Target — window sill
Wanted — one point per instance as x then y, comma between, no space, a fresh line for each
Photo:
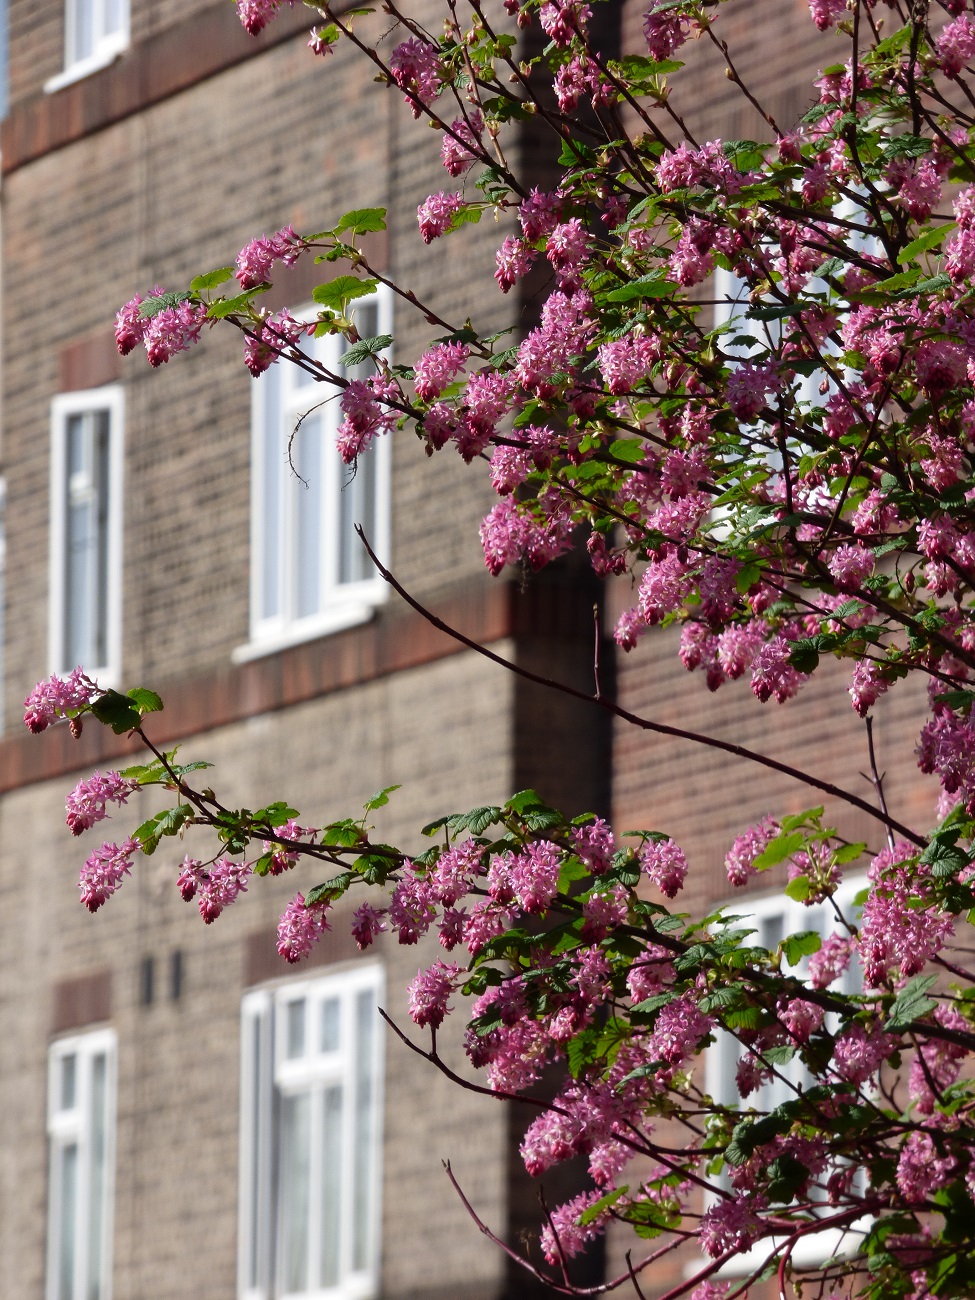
334,620
102,58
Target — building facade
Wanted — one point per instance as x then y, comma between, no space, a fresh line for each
181,1114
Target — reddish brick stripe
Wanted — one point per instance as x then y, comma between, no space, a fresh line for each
151,71
393,642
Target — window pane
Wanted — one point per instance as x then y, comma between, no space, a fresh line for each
293,1194
295,1037
364,1136
254,1148
100,475
113,16
67,1178
331,1184
97,1172
772,931
84,29
86,540
357,505
68,1084
330,1025
270,470
307,451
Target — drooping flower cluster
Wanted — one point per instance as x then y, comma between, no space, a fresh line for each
58,697
85,805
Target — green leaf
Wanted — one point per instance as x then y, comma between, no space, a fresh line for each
653,285
911,1003
362,221
167,822
777,850
932,238
330,890
380,798
345,834
241,304
595,1211
156,303
524,800
145,701
803,944
212,279
848,853
116,711
628,449
365,349
799,889
343,289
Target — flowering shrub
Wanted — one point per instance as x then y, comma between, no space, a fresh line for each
806,492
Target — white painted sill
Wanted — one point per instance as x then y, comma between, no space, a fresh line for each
327,624
104,57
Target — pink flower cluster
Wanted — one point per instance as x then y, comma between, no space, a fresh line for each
956,45
269,339
256,259
664,864
751,844
415,67
364,414
256,14
439,367
665,28
58,697
435,214
104,871
85,804
220,885
300,928
463,144
168,331
430,991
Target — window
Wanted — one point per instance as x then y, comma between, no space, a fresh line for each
773,918
311,1098
95,33
81,1133
86,532
310,573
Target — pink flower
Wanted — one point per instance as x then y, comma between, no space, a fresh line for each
255,260
567,245
921,1171
772,673
664,863
564,19
595,845
801,1018
625,363
86,803
826,12
859,1053
436,213
833,958
172,330
273,336
57,697
539,214
411,907
956,45
748,385
678,1032
740,861
300,928
367,923
514,259
439,367
665,32
564,1225
223,881
130,329
730,1225
190,878
850,567
459,150
256,14
867,684
104,871
416,69
429,993
364,417
503,535
534,875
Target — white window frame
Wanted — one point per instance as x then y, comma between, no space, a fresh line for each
107,45
267,1077
110,398
342,605
67,1126
722,1057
